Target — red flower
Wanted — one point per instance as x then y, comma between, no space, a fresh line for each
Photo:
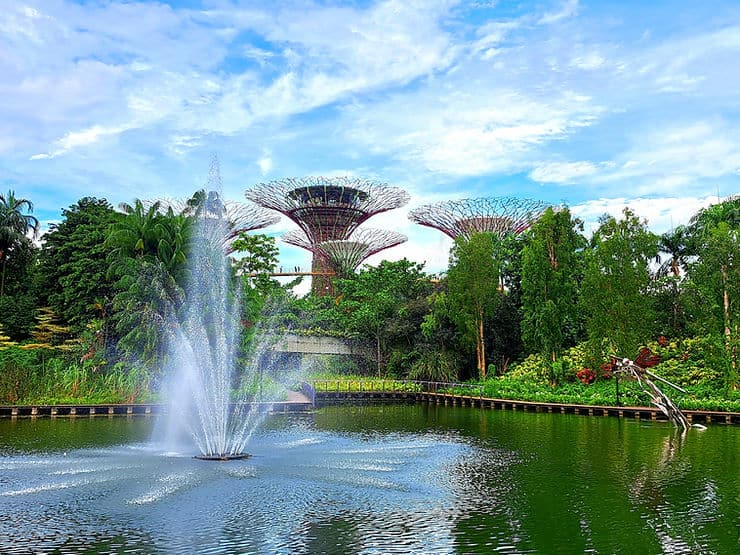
586,375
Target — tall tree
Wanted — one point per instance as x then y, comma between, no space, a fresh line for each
715,232
378,298
675,244
474,288
16,222
551,267
616,278
147,257
713,289
73,262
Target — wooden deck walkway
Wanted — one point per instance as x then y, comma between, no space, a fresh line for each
296,402
643,413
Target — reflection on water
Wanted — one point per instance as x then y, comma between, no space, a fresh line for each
383,479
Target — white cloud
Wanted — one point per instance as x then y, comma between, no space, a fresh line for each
569,8
74,139
562,172
464,133
662,214
265,162
668,159
590,61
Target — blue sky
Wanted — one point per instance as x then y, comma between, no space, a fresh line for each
595,104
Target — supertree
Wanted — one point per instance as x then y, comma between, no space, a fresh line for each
240,216
344,256
327,209
207,203
463,218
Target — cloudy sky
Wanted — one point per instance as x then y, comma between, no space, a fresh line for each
596,104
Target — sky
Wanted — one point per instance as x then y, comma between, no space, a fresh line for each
594,104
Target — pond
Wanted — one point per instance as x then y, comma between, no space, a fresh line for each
374,479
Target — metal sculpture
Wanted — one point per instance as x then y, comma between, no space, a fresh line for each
240,215
344,256
208,202
327,209
638,370
463,218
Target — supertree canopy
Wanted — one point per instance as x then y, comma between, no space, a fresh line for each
327,209
344,256
240,215
463,218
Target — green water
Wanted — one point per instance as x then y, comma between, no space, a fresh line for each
375,479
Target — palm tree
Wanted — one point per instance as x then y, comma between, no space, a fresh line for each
675,244
707,218
14,226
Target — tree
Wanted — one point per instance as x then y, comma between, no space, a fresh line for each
147,256
706,219
257,256
473,281
440,346
14,226
713,289
377,298
73,262
674,243
551,266
616,278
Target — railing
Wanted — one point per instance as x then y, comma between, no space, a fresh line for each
309,391
410,386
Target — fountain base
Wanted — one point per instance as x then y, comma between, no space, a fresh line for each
223,457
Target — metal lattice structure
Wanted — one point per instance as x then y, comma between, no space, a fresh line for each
327,209
344,256
240,215
208,204
463,218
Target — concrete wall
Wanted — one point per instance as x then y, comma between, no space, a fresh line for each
320,345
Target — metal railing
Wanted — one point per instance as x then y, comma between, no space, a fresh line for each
408,386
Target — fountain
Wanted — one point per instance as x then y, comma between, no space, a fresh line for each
203,347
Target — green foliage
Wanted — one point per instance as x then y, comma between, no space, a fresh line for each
437,366
473,288
73,263
15,224
713,292
46,376
551,266
147,256
381,303
18,315
615,282
256,254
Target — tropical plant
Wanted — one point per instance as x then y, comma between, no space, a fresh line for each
617,276
551,266
15,224
713,292
474,289
676,245
73,262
